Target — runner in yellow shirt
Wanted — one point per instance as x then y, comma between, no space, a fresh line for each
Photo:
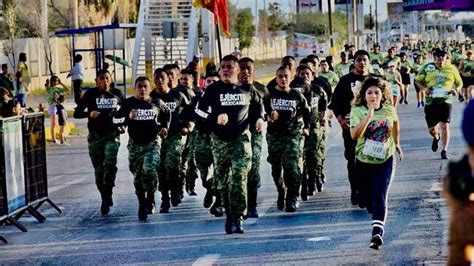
440,81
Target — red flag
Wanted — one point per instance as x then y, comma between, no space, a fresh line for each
219,8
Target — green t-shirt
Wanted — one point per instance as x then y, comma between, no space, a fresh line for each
457,56
440,80
54,93
468,68
391,77
332,77
377,144
405,67
395,60
342,69
416,67
376,56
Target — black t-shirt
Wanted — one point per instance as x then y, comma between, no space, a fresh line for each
176,102
188,92
315,97
241,103
341,101
323,83
291,106
150,118
105,102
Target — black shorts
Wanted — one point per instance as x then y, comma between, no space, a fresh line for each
405,78
417,89
467,81
437,112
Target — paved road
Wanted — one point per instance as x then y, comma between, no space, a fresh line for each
326,228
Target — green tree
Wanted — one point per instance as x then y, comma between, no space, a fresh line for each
316,24
245,28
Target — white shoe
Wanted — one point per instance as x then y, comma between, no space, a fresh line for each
56,142
65,144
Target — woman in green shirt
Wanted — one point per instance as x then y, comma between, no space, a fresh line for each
466,69
395,81
54,89
375,127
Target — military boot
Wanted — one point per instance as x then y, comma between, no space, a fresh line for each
208,198
150,198
252,205
216,208
176,196
228,222
238,227
142,206
106,196
281,198
304,191
165,202
291,202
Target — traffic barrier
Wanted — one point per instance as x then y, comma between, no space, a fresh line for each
23,181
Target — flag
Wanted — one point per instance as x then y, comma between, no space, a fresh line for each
219,8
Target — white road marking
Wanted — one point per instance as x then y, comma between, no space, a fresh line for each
210,259
435,187
318,239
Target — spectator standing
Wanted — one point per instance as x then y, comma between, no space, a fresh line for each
23,80
77,75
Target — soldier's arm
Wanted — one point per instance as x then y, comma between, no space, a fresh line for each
164,115
79,111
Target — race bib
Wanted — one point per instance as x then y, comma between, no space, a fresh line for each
375,149
438,92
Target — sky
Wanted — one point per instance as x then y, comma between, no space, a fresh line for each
291,5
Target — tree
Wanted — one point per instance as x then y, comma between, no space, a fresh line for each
10,29
245,28
316,24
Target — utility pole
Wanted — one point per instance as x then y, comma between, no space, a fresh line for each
297,6
330,24
354,23
256,18
376,23
75,13
349,37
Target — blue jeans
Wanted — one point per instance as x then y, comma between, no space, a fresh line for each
21,98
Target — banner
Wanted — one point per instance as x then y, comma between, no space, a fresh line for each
310,6
14,167
457,5
303,45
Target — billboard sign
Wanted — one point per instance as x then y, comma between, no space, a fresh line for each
394,11
456,5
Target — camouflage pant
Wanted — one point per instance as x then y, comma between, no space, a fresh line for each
321,149
253,181
312,154
203,157
103,149
188,169
171,150
191,170
143,163
285,154
232,163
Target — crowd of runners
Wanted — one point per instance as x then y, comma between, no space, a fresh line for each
179,132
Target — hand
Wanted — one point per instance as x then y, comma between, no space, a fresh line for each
454,92
191,126
94,114
371,112
163,133
305,132
222,119
342,122
323,122
184,131
399,151
133,114
259,125
429,91
273,116
121,129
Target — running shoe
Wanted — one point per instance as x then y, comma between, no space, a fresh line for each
376,242
401,100
444,155
418,105
434,144
65,144
460,97
423,103
405,101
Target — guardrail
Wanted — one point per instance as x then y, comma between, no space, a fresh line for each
23,179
